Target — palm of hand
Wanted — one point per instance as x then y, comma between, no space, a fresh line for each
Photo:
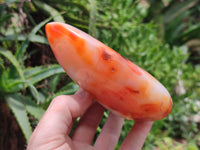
53,130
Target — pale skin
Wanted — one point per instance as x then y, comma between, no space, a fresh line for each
52,132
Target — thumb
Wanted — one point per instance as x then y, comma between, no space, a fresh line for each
57,119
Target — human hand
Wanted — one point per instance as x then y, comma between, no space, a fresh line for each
52,132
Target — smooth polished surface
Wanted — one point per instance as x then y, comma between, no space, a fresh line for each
115,82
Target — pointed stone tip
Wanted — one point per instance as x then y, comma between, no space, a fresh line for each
54,31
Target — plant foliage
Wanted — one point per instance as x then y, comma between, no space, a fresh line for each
162,43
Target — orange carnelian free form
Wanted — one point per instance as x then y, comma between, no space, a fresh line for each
115,82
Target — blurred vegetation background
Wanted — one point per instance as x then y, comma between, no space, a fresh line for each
161,36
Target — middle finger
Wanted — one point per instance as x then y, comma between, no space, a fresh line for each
88,124
110,133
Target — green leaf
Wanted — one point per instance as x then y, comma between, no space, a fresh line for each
50,10
18,84
20,52
68,89
13,60
53,82
174,28
33,91
3,16
63,92
92,20
13,85
3,82
34,109
191,33
10,1
34,75
1,64
16,103
175,11
69,86
39,26
22,37
38,39
4,19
